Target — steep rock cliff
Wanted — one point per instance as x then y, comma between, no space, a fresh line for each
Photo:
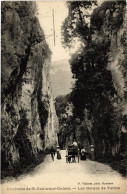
112,29
29,121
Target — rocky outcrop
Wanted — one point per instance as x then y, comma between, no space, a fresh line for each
29,121
112,29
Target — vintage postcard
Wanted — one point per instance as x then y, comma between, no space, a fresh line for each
63,97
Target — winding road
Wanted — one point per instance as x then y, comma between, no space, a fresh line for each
60,177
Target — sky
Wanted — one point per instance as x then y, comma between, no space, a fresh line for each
45,16
46,22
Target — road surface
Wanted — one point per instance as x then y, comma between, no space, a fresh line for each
60,177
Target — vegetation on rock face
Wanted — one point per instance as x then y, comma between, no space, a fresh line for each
25,104
76,24
64,109
19,34
96,90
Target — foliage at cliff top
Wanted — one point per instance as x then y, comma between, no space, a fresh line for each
76,25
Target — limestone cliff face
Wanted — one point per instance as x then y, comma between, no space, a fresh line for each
52,125
29,121
111,30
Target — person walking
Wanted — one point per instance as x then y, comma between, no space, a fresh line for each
83,153
52,153
58,153
92,152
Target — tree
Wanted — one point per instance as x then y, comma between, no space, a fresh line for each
76,25
94,88
64,112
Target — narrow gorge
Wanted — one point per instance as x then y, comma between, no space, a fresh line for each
29,121
91,107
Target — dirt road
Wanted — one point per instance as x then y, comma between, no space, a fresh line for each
60,177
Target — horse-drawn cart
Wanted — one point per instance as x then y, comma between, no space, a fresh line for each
71,154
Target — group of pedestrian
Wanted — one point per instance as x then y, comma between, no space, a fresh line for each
83,152
57,151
